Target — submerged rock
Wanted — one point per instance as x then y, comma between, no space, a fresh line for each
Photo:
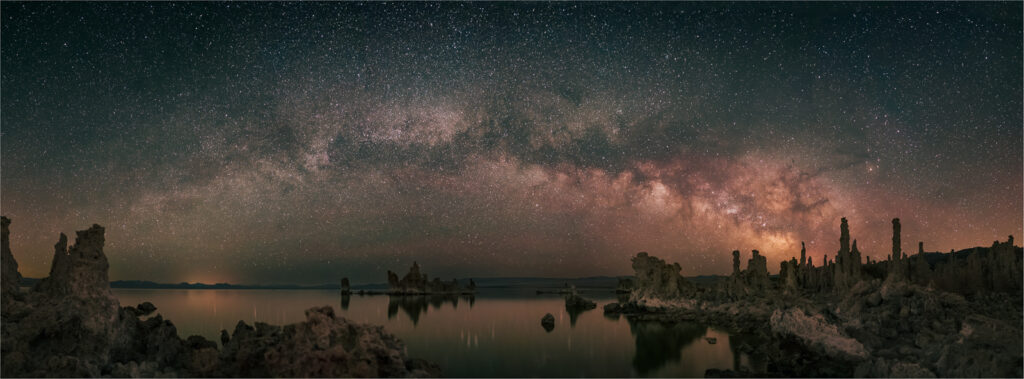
548,322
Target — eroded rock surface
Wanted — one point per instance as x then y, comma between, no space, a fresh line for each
321,346
658,283
10,279
816,332
417,283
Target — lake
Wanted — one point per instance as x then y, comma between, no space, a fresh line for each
497,333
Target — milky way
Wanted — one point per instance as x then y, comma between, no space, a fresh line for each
298,143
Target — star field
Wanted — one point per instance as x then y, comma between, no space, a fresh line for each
303,142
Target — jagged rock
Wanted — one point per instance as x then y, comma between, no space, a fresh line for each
146,308
321,346
80,271
10,278
788,271
736,263
847,271
815,331
756,274
981,350
415,283
577,302
658,282
548,322
69,324
896,246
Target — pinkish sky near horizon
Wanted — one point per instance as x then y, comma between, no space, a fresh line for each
303,142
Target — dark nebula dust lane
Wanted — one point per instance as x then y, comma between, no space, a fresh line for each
299,143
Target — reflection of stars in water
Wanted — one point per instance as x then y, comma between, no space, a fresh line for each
302,142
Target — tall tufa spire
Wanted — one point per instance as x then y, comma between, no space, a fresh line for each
896,250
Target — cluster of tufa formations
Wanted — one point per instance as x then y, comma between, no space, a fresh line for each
71,325
415,283
928,314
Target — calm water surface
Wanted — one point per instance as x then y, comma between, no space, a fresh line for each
496,333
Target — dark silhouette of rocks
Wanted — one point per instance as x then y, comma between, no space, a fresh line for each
322,346
924,315
71,325
575,305
756,275
346,289
657,281
416,283
10,279
897,252
565,290
575,301
625,285
548,322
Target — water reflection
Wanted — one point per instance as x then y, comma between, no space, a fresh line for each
574,314
345,299
658,343
497,337
417,305
743,347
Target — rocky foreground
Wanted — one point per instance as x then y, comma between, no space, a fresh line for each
926,315
71,325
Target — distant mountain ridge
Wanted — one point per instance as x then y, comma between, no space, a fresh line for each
591,282
511,282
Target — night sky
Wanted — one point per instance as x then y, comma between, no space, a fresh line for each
299,143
